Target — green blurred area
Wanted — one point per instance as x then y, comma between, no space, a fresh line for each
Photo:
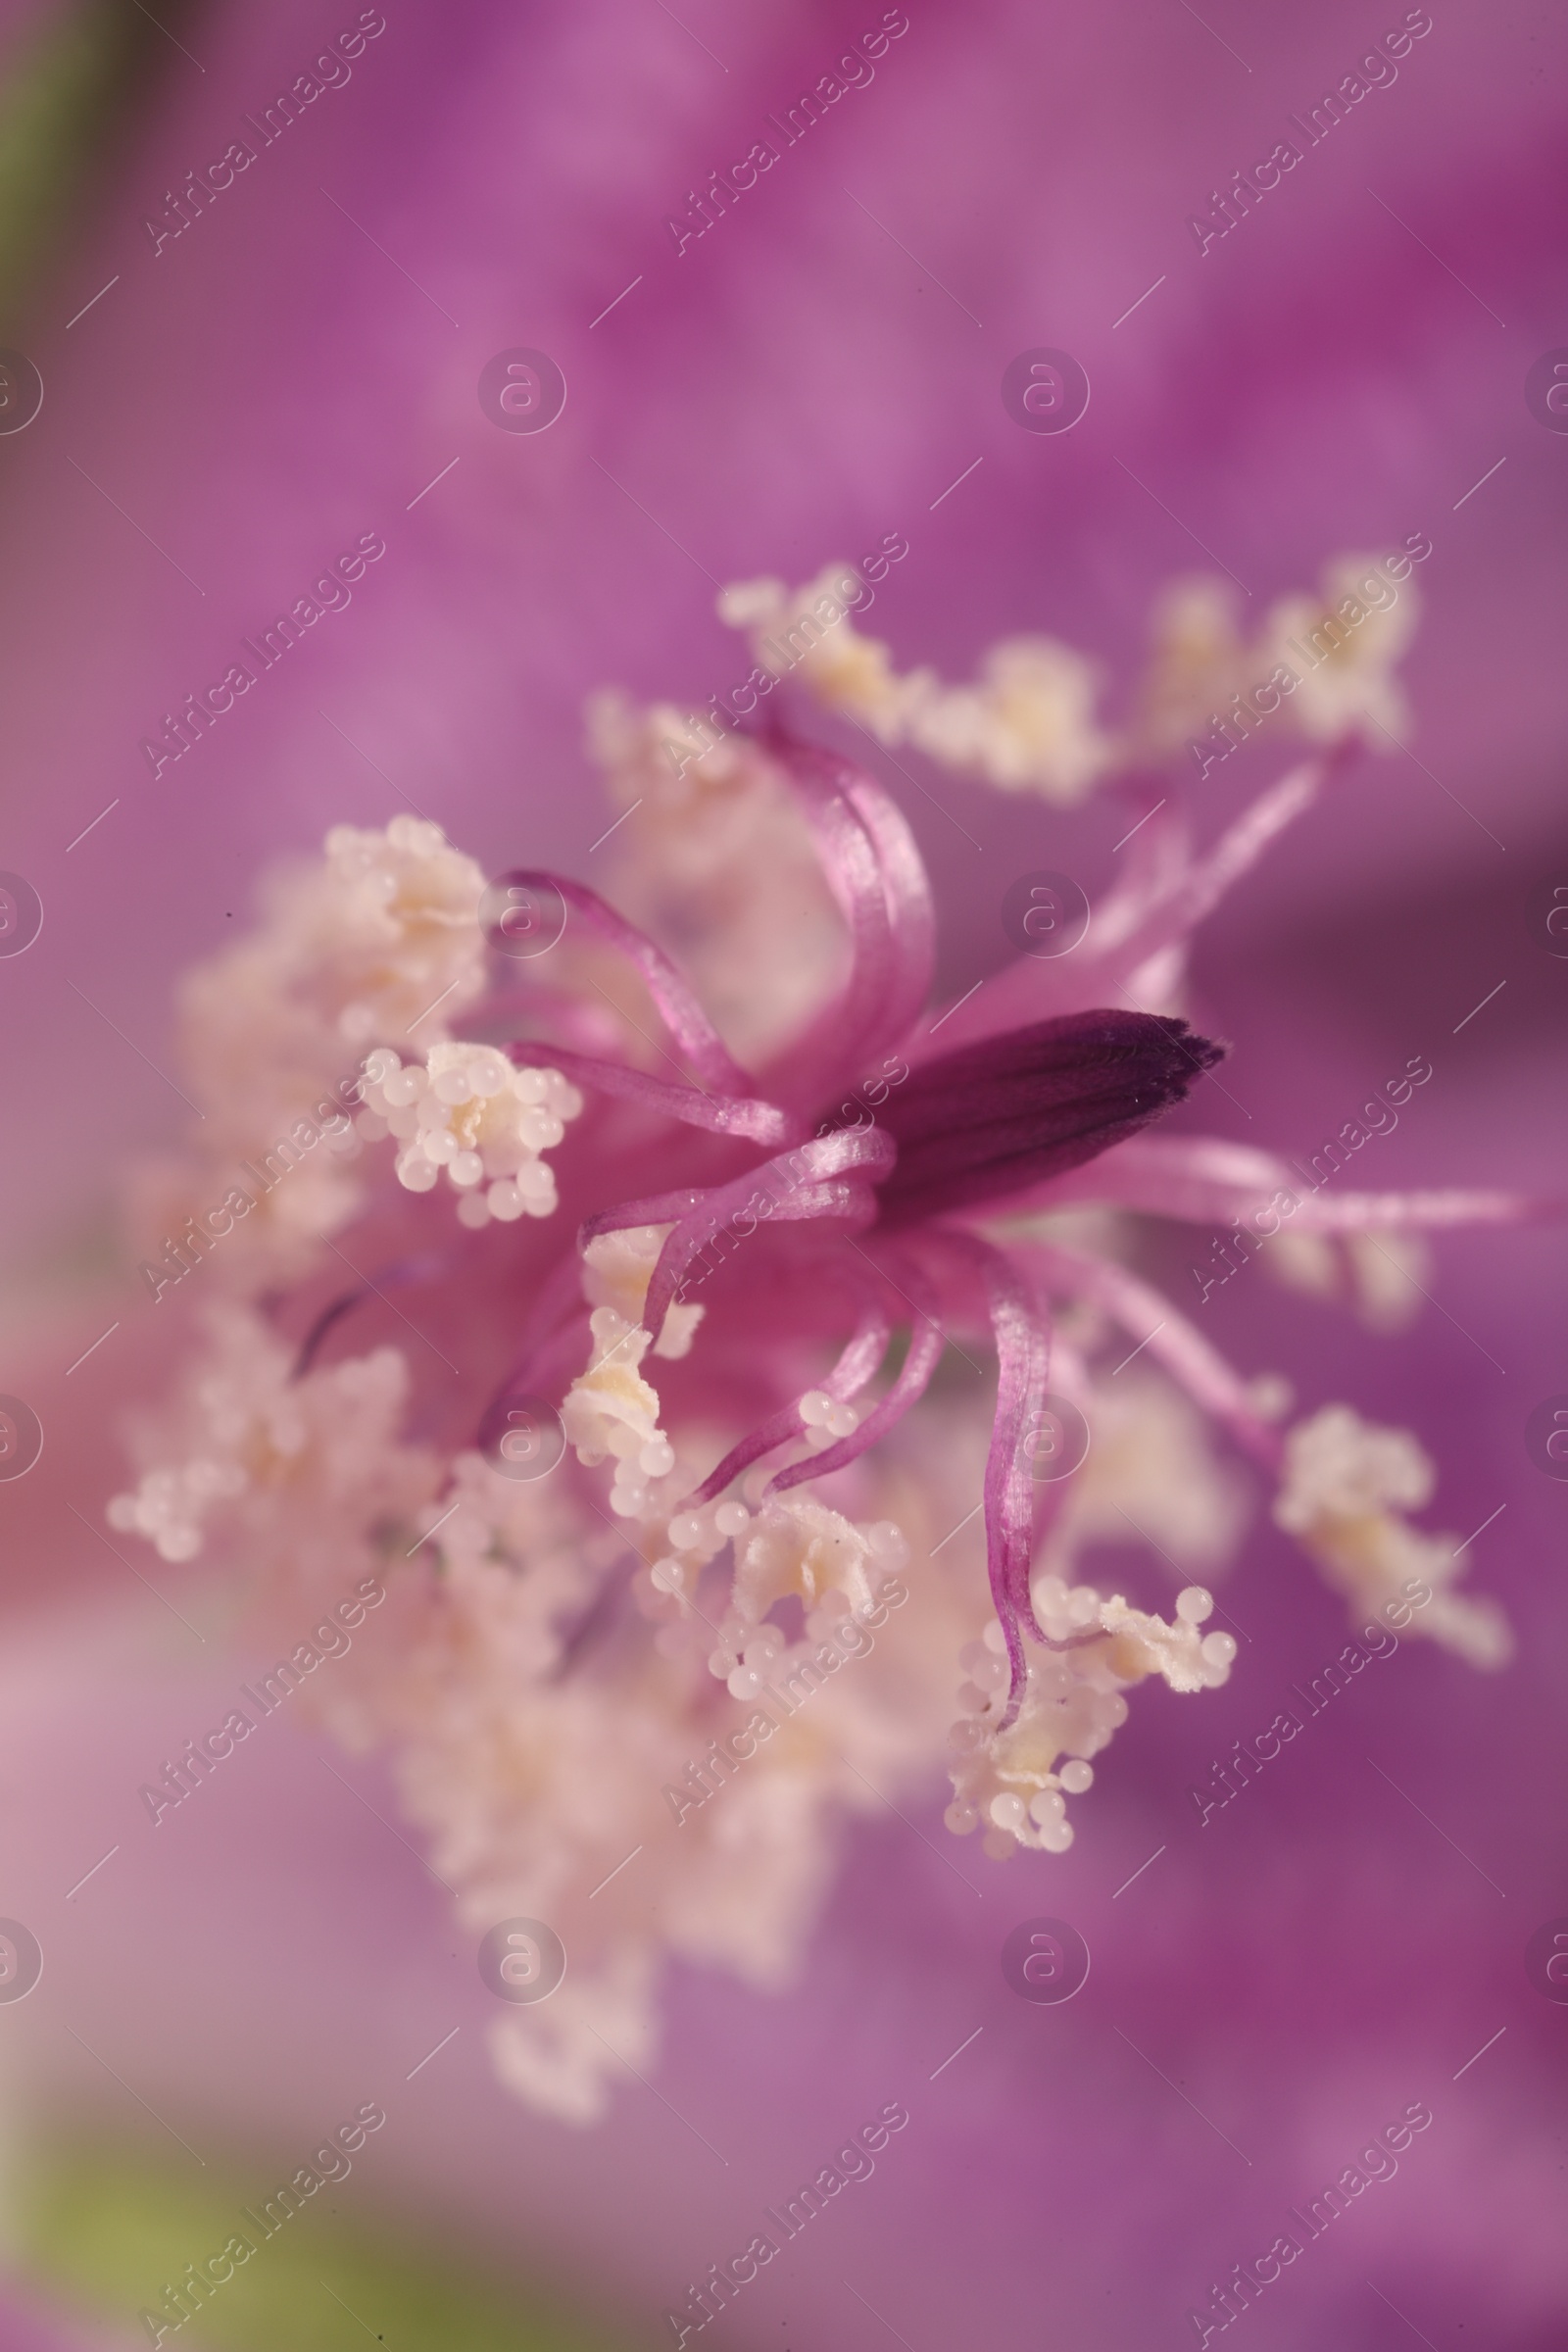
105,2229
69,87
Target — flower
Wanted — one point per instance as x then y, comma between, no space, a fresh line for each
1340,647
557,1647
1345,1488
1027,724
466,1109
1315,379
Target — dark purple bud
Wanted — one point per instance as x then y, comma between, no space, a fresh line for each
998,1116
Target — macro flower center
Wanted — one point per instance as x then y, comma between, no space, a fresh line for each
715,1463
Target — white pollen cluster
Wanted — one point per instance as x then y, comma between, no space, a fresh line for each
170,1508
792,1548
610,1410
466,1109
1010,1780
378,932
617,1269
1325,659
1338,1466
802,1548
827,1419
316,1458
1345,1487
1026,724
358,938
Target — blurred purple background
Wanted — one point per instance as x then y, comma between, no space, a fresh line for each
300,366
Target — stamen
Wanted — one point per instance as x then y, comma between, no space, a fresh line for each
856,1366
742,1116
874,871
688,1024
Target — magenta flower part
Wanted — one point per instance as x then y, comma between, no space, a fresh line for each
990,1118
728,1328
